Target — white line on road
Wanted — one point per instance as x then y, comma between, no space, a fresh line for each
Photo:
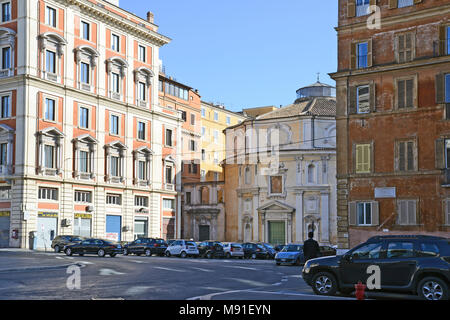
137,261
109,272
246,268
203,270
169,269
85,262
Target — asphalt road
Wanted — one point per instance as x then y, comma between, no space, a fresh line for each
148,278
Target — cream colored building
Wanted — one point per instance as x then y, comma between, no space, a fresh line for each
280,172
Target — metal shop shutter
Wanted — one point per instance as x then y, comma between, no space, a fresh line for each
4,230
113,227
82,227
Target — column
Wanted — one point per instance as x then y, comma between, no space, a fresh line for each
325,213
239,219
255,217
299,217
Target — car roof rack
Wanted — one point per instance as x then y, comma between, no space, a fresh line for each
412,236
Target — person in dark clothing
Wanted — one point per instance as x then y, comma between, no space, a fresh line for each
311,248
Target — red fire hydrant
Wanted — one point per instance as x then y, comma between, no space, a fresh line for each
360,291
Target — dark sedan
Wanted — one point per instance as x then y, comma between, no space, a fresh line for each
255,251
60,241
211,249
147,246
94,246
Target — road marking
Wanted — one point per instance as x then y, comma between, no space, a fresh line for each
137,290
85,262
246,268
200,269
137,261
60,258
169,269
109,272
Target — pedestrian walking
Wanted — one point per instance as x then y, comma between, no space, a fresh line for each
311,248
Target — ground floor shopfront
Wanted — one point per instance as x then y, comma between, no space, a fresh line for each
47,209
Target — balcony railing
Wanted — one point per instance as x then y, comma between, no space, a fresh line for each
169,187
5,73
446,181
441,48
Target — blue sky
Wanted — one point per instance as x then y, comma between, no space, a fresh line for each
245,53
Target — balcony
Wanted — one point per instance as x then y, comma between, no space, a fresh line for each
5,73
142,104
169,186
5,170
116,96
441,48
51,76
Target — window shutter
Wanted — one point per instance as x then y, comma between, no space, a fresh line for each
401,48
409,93
367,156
358,159
352,100
447,212
375,213
409,46
352,213
373,97
440,154
401,156
440,88
412,212
369,53
401,212
418,1
410,156
351,8
393,4
373,2
353,58
401,94
442,39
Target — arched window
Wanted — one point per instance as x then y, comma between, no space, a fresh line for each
247,175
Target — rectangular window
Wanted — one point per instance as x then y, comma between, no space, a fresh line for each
142,91
216,157
228,120
6,58
168,137
203,154
85,27
405,47
5,193
49,156
216,136
84,117
203,112
142,170
192,145
115,199
362,54
187,199
216,116
168,204
50,61
363,158
192,119
169,175
184,115
48,194
114,125
447,40
364,213
116,82
114,166
3,154
141,130
406,212
140,201
362,7
83,196
51,17
363,99
6,107
406,156
447,153
84,77
84,161
142,53
115,43
405,3
203,131
447,88
50,108
6,12
405,93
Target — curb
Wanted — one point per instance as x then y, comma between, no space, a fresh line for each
42,268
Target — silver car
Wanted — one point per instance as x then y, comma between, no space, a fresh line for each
232,250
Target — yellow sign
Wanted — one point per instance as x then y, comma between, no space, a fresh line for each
83,216
48,215
5,214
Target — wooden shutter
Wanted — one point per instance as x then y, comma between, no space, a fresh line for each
401,212
401,88
351,8
373,2
353,57
410,156
352,220
393,4
440,88
412,211
442,39
409,90
418,1
369,53
401,156
375,213
440,154
401,48
373,97
359,159
352,100
447,212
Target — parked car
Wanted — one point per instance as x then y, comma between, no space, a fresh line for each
182,248
270,249
415,264
60,241
279,247
233,250
291,254
327,251
147,246
211,249
170,241
255,251
99,247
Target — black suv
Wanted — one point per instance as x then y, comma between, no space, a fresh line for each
60,241
411,264
211,249
147,246
256,250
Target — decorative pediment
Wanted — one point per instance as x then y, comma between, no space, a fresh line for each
276,206
86,138
6,129
116,144
52,131
169,159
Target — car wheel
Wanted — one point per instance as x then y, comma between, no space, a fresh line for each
112,255
209,255
101,253
148,252
278,263
183,254
68,251
125,252
167,253
432,288
298,262
228,255
80,254
324,284
267,257
253,256
57,249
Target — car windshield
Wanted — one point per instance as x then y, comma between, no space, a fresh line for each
160,241
292,248
190,243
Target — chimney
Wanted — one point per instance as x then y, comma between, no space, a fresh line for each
150,17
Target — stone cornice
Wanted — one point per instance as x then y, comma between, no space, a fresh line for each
118,21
